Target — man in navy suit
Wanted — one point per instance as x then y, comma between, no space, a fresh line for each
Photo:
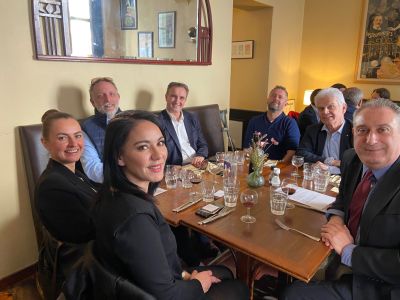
364,221
186,145
184,138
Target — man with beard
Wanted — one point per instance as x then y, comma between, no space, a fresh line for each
105,100
277,126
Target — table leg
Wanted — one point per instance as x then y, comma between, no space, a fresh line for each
245,271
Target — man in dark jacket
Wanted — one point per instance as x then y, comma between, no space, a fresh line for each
184,138
325,142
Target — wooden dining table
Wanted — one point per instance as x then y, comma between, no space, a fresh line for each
260,242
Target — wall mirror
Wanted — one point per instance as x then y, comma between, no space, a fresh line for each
127,31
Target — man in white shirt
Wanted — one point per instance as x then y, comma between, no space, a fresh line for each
184,138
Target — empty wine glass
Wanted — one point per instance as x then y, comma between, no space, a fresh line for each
289,187
297,161
249,199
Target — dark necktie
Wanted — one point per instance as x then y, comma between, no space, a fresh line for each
357,202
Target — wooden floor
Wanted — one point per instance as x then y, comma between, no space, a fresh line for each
24,290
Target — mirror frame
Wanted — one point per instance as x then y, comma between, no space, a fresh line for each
53,42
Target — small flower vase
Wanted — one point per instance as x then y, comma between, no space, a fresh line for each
255,178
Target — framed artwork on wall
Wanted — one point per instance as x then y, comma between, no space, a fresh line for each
166,29
145,44
243,49
378,58
129,18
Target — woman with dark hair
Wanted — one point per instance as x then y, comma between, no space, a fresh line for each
63,197
133,239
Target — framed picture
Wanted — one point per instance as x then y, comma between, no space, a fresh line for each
145,44
243,49
378,58
166,29
129,18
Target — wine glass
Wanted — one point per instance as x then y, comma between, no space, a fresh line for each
297,161
249,199
289,187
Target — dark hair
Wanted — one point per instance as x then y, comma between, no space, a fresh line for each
117,133
312,96
177,84
339,86
96,80
48,119
383,93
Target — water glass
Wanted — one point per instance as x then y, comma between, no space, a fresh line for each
208,190
170,181
278,203
307,166
186,177
219,158
171,177
231,192
308,181
239,157
321,180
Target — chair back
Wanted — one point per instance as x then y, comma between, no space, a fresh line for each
210,122
35,161
89,279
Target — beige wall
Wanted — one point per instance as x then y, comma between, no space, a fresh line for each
330,44
249,77
29,87
284,52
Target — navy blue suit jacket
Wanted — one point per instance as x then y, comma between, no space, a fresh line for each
313,142
195,135
307,118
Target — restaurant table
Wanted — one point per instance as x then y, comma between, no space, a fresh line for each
260,242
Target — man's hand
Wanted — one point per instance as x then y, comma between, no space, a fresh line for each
197,160
333,220
336,163
206,279
337,235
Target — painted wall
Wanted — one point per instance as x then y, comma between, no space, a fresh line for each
249,77
29,87
284,42
330,44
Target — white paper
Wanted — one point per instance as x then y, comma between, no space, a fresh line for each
219,194
159,191
311,198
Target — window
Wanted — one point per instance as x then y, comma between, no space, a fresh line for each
81,34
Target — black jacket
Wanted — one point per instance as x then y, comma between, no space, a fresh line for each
313,142
134,240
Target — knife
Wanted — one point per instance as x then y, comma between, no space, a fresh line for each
215,217
186,205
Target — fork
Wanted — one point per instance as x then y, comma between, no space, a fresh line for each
284,226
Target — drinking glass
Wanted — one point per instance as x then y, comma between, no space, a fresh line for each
207,188
220,157
239,157
297,161
171,177
308,182
289,187
231,191
186,176
249,199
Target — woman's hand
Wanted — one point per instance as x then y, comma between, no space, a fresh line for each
206,279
